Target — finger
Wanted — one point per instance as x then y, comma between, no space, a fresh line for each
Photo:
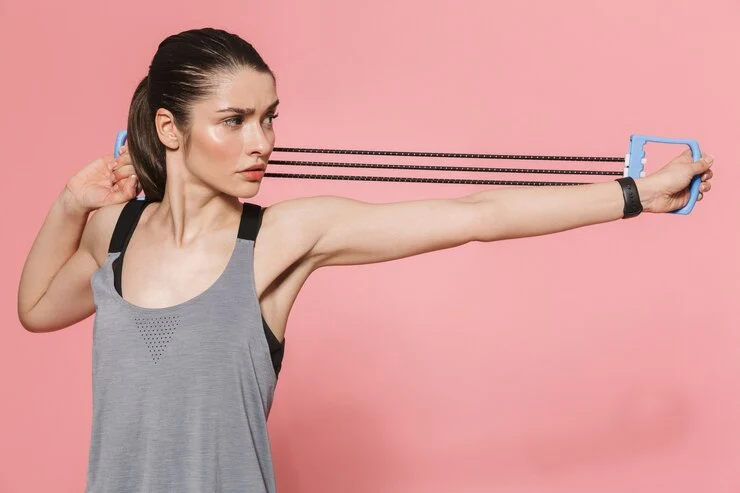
124,160
123,172
126,191
705,187
707,176
132,185
701,196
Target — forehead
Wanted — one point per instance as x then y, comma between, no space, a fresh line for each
246,88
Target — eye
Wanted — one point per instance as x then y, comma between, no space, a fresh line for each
234,121
270,119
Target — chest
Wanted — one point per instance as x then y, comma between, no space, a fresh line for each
159,275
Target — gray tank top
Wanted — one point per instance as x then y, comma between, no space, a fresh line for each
181,395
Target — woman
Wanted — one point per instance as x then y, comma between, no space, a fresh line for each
189,328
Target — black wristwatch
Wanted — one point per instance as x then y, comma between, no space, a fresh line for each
632,203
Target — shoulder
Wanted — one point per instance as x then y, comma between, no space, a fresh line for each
303,220
308,213
99,230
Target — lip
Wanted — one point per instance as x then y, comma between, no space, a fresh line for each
253,173
256,167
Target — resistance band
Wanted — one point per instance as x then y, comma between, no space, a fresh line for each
633,165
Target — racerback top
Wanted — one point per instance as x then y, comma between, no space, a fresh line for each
181,395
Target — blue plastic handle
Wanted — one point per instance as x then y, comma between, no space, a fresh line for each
635,167
120,140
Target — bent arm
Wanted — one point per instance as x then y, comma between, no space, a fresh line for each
54,291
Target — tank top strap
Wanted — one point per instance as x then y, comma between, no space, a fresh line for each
248,229
125,225
127,221
250,222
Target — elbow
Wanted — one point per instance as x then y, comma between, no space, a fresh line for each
25,317
27,324
30,317
485,218
31,323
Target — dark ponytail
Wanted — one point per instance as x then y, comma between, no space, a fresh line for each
181,73
147,152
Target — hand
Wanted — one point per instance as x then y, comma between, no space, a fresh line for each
667,189
105,181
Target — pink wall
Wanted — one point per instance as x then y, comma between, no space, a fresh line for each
516,367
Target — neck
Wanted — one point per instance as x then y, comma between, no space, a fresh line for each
190,208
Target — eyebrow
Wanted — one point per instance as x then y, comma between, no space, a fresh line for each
247,111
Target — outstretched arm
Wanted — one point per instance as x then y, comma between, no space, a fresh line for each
341,231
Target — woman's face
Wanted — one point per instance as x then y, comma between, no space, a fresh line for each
231,135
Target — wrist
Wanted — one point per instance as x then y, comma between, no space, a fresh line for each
632,203
647,193
71,204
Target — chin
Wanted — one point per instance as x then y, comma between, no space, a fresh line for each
246,191
238,188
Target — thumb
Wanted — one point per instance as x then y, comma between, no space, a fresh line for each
702,165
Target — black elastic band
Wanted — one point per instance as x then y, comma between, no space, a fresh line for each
455,155
405,179
466,169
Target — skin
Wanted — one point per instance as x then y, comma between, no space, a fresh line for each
183,243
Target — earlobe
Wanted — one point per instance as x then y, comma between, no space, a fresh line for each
166,129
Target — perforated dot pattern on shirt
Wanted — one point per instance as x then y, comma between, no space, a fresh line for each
157,333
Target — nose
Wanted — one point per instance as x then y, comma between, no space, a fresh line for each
257,142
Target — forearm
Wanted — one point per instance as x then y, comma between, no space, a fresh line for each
55,244
516,213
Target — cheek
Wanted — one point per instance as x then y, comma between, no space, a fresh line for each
217,148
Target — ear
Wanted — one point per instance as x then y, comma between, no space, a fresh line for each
167,131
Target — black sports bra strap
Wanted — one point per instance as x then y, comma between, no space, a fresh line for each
126,221
250,222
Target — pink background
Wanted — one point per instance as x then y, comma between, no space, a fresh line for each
521,366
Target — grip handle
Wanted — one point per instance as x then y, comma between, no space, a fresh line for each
636,167
120,140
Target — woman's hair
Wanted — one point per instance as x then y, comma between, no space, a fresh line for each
182,72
